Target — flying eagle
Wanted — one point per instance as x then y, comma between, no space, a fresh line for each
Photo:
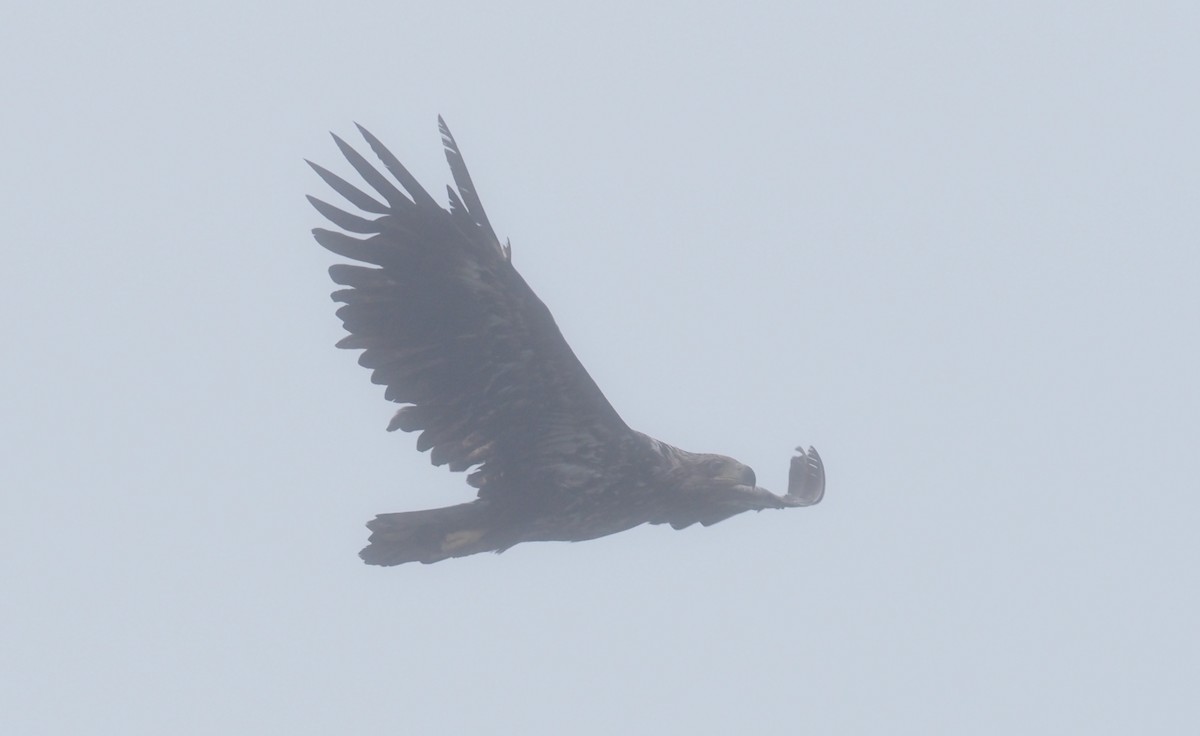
455,334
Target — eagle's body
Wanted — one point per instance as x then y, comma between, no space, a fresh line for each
453,331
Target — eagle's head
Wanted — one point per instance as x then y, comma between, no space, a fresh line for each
709,488
718,472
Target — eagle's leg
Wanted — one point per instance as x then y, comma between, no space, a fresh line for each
432,535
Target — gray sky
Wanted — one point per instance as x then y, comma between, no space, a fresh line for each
953,245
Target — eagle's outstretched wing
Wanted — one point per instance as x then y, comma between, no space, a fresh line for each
451,329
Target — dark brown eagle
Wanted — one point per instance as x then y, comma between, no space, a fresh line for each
456,335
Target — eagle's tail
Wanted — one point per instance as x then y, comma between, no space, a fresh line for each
431,535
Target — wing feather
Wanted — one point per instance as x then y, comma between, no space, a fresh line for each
407,180
370,175
374,250
343,219
462,178
353,194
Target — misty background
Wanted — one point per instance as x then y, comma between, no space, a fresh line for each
952,245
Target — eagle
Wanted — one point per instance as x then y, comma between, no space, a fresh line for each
454,333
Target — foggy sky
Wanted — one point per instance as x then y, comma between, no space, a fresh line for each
952,247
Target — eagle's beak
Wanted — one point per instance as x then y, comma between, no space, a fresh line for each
742,476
